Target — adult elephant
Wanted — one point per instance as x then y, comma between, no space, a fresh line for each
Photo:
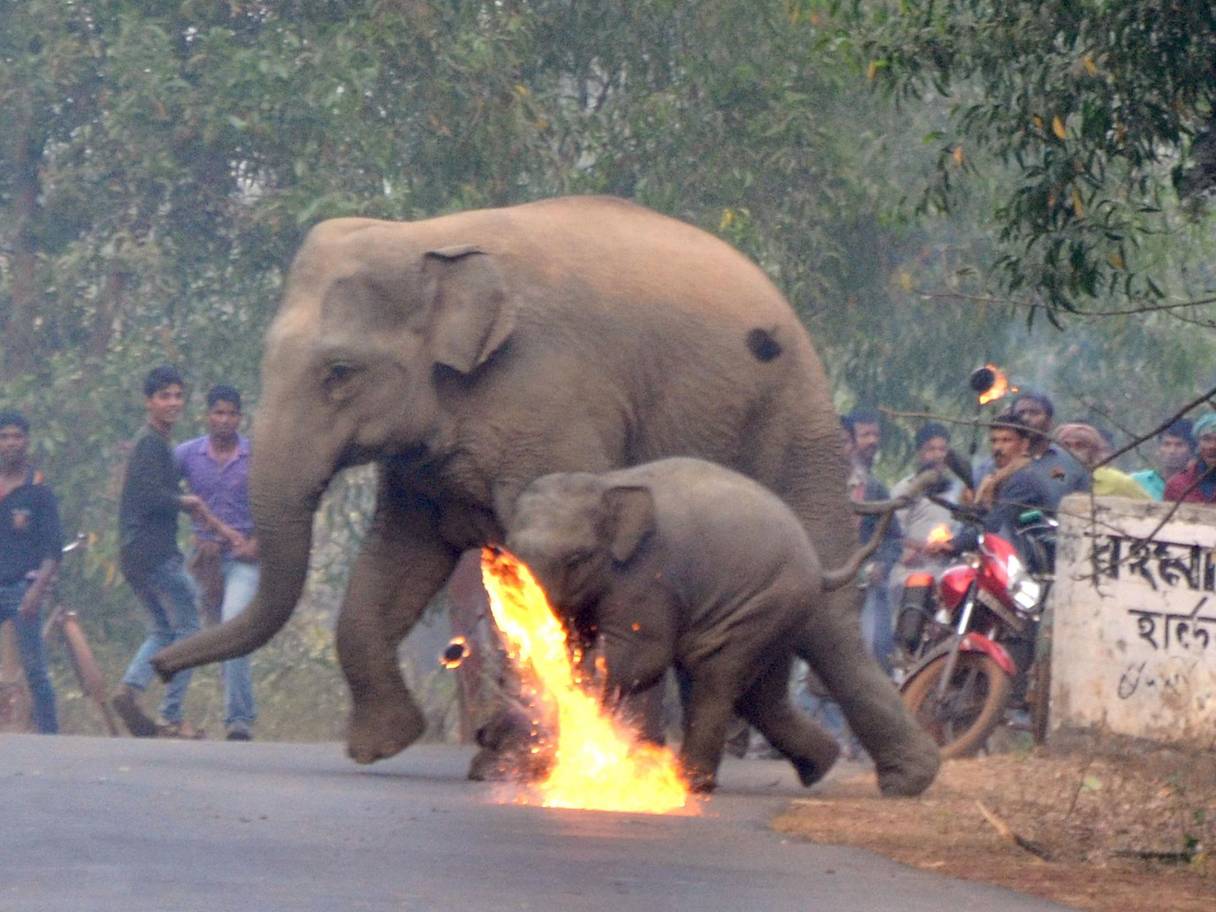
469,354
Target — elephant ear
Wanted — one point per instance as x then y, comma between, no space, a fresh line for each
630,513
472,313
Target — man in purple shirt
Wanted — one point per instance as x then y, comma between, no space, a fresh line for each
216,468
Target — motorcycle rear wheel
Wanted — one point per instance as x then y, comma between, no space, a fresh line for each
972,707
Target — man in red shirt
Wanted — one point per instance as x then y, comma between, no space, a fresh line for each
1197,483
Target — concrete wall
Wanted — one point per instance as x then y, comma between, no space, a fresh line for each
1134,631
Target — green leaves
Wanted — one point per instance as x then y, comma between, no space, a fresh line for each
1092,102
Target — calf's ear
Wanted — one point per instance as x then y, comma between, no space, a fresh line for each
630,513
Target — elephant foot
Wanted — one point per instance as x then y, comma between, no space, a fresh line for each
811,770
490,765
509,749
698,778
701,783
908,772
379,732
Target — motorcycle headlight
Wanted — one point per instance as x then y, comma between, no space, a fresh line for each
1026,593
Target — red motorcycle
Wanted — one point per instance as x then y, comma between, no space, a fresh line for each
971,634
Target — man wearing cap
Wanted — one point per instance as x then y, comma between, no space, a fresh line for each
1197,483
1175,447
1015,487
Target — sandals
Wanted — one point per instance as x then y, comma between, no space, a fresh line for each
126,704
183,730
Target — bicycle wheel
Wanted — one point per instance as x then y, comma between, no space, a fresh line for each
973,705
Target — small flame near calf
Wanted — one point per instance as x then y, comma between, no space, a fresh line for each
454,653
598,763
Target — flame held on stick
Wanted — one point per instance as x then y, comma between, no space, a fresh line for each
999,388
599,764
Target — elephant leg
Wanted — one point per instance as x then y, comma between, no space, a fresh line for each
767,706
810,473
708,709
644,712
402,564
905,756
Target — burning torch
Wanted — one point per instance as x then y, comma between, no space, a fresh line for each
990,385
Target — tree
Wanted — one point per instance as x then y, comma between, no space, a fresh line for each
1103,110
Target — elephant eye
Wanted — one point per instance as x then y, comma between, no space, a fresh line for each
574,558
337,374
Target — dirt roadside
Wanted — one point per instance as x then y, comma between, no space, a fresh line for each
1097,825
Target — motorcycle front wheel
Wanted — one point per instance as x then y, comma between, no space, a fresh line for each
961,719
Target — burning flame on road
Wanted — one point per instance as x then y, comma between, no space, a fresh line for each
599,763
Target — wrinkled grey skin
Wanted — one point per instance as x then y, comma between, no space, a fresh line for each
683,563
468,355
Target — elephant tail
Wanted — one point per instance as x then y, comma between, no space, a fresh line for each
846,572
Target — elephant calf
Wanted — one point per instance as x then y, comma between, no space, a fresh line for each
682,562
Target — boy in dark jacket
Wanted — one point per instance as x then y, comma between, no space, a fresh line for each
150,560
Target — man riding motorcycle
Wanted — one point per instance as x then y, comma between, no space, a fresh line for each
1019,484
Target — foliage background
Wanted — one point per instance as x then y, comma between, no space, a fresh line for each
161,161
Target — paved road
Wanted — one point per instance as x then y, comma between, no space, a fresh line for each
123,825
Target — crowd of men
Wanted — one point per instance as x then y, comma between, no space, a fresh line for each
1032,463
223,572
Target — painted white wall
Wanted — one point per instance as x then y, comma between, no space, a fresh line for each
1134,631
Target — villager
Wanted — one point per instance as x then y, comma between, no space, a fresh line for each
1057,465
1197,483
1175,447
1086,443
224,555
923,518
1017,484
863,436
150,560
31,544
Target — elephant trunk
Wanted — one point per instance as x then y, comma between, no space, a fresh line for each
284,544
632,664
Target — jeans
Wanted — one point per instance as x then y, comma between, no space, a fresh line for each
171,598
240,585
877,628
825,711
33,659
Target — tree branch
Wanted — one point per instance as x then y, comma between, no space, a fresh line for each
1159,428
1011,302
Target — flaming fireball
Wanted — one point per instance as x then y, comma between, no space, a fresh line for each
999,388
599,764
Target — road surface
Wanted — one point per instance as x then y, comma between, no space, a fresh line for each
126,825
